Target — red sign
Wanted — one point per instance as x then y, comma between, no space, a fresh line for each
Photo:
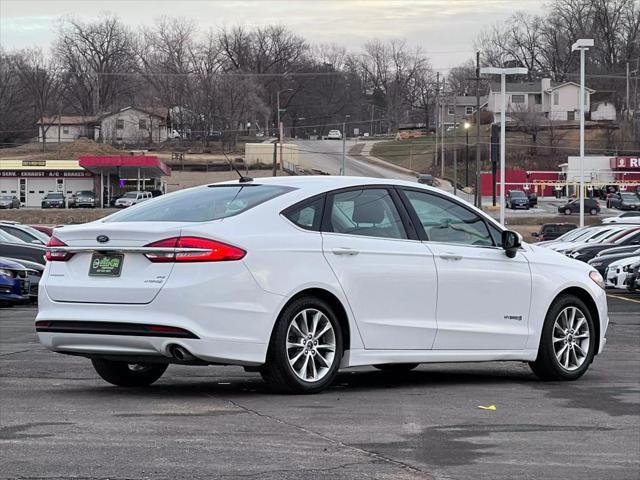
625,163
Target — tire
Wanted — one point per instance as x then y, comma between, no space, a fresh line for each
297,375
123,374
567,211
548,366
396,367
593,211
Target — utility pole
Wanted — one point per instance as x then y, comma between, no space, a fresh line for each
437,115
478,183
344,144
628,105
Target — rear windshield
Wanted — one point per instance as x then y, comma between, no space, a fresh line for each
200,204
517,194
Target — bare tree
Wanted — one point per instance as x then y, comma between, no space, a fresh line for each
16,121
41,78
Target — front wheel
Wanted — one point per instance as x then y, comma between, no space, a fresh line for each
567,344
593,211
567,211
125,374
305,349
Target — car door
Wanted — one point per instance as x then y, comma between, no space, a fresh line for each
483,296
388,277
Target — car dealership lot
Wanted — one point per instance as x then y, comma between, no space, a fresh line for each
58,419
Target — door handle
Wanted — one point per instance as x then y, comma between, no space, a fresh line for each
344,251
450,256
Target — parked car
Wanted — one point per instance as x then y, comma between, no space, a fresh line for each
633,277
616,273
591,206
34,274
46,229
630,216
605,258
299,276
14,283
82,198
13,247
54,200
533,199
596,234
551,231
587,252
132,198
624,201
25,233
425,179
334,135
9,201
516,199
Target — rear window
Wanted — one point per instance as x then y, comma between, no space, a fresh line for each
201,204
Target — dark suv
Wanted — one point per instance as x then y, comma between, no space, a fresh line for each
591,206
53,200
551,231
517,199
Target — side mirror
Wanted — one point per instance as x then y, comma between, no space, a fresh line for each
511,242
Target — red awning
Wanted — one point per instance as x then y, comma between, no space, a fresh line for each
126,166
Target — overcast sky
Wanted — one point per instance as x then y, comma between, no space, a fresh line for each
445,29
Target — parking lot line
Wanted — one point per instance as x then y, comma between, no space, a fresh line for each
623,298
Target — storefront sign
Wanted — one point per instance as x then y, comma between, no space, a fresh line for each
625,163
34,163
45,174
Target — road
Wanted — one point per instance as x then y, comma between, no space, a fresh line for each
58,420
326,155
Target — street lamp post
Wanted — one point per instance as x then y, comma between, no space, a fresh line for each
280,135
344,143
466,157
583,45
503,72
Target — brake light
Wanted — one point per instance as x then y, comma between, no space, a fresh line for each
54,255
213,251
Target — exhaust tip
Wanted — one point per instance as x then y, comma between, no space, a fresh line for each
180,353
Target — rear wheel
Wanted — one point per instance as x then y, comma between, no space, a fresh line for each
593,211
396,367
306,348
567,344
125,374
567,211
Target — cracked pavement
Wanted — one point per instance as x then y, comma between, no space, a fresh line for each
59,420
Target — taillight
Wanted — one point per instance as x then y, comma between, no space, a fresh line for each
212,251
54,255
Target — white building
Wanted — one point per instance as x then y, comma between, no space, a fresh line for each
133,125
65,128
559,101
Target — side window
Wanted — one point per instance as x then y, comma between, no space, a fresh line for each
307,215
368,212
446,221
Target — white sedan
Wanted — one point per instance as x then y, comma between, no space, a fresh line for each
616,273
334,135
296,277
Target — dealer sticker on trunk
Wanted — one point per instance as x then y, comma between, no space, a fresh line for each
106,265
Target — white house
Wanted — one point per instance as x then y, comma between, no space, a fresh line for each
133,125
556,101
65,128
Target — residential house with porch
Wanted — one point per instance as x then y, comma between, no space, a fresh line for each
65,128
555,101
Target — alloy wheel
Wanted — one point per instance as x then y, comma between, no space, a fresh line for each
311,345
571,338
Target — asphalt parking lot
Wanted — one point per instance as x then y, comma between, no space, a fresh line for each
58,420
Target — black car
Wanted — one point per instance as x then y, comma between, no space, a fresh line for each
603,259
425,179
13,247
551,231
54,200
587,252
591,206
83,198
533,199
517,199
624,201
9,201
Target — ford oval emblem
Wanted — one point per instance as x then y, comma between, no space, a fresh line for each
102,238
